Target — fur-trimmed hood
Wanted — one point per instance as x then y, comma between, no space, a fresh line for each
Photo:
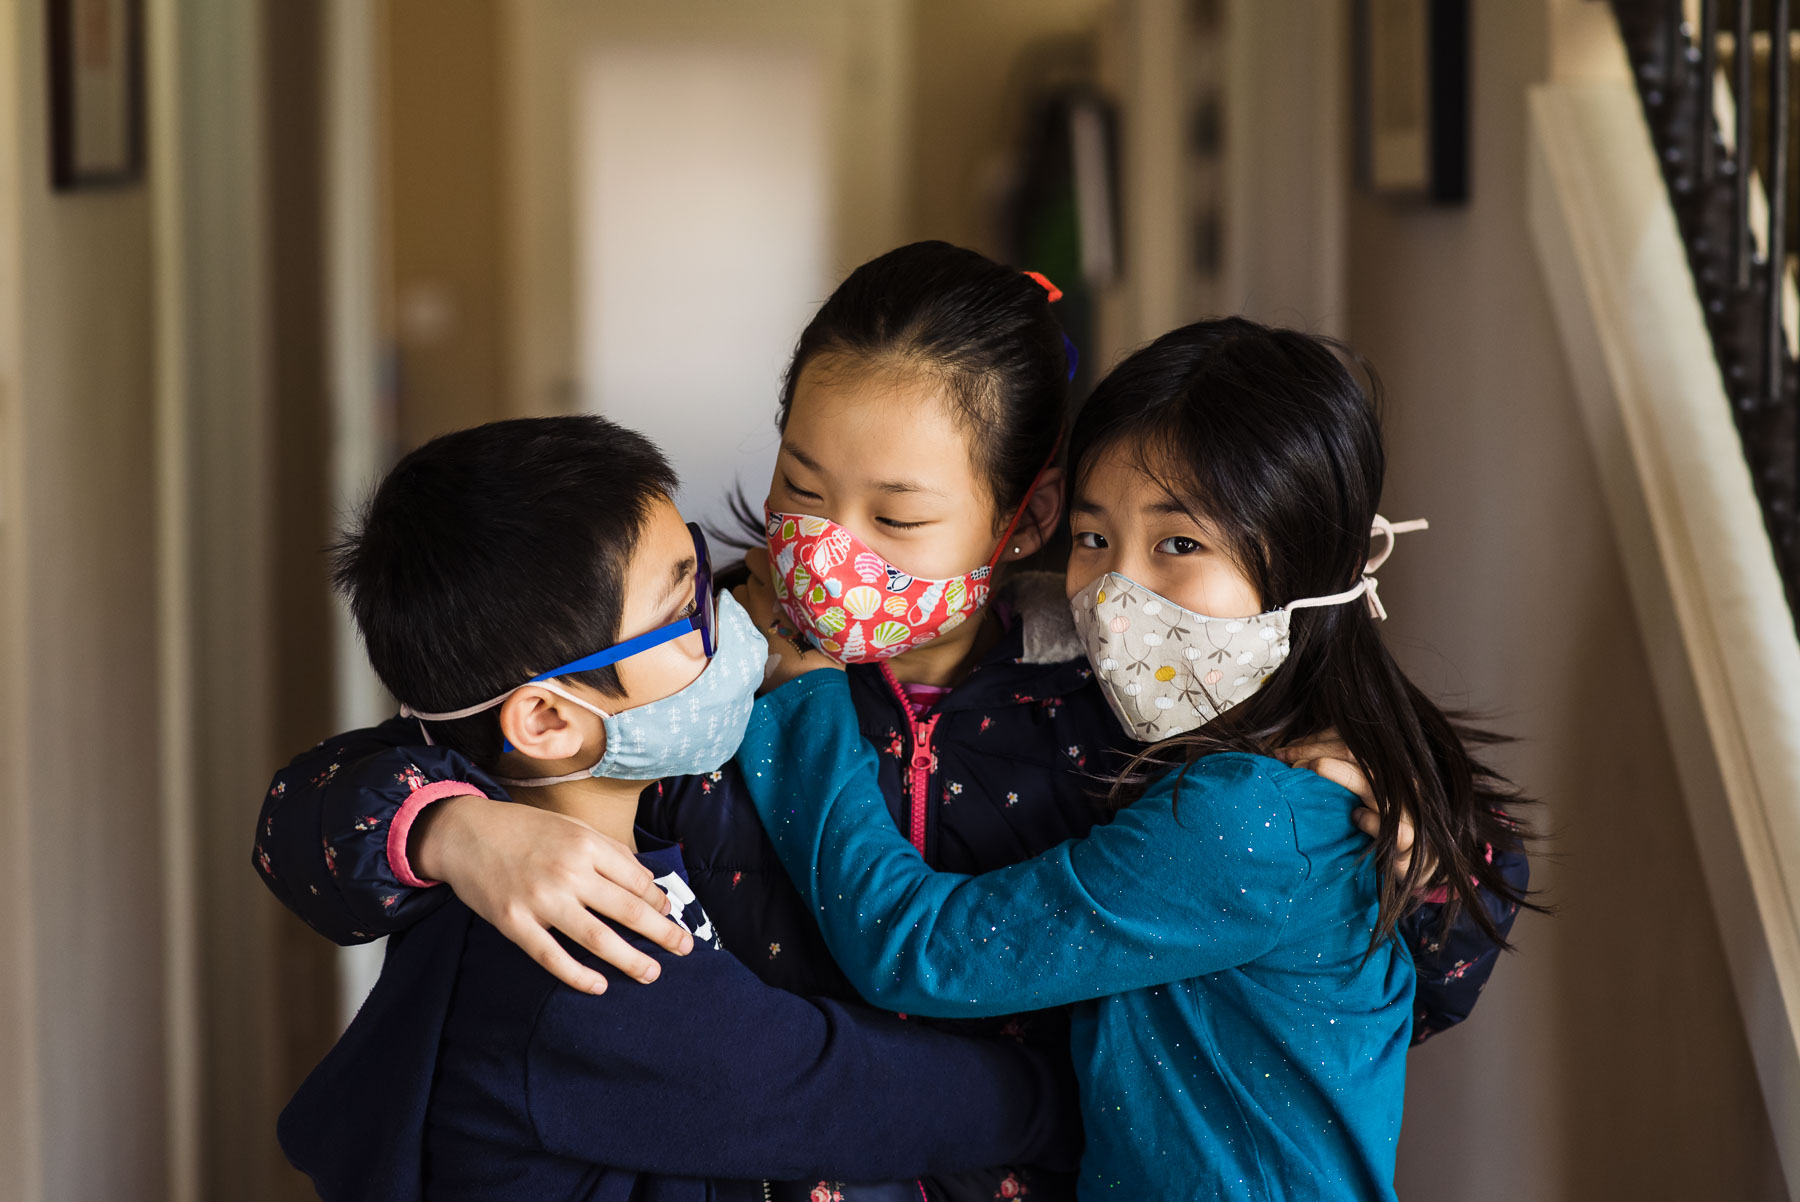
1039,605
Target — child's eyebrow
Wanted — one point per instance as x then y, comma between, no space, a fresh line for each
680,577
1083,505
905,486
801,457
888,486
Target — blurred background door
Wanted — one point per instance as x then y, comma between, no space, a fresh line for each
704,209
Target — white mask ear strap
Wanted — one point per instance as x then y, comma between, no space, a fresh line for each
1388,530
532,782
423,716
1368,586
407,711
1365,585
552,687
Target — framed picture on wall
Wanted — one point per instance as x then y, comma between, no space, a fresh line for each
96,77
1412,75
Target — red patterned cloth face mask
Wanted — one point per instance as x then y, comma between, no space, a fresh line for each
857,607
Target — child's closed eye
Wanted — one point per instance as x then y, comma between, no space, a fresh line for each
797,491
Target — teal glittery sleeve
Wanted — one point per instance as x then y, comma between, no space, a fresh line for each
1163,893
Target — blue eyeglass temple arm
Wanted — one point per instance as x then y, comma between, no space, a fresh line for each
613,655
643,642
625,650
654,638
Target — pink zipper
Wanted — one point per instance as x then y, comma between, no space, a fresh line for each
922,757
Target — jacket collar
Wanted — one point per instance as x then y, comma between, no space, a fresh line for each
1038,655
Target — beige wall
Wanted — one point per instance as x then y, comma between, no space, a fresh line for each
969,63
143,1052
77,382
445,122
479,135
19,1061
301,1021
1607,1059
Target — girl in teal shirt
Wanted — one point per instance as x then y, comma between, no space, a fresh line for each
1243,1007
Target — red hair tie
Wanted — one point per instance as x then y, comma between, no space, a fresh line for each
1043,281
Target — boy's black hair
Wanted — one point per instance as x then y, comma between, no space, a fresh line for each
492,554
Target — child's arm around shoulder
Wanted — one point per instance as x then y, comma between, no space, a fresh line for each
1454,965
713,1073
340,842
1186,881
331,837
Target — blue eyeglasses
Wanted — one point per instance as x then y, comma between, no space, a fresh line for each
704,619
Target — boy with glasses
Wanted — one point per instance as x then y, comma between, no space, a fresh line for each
471,1072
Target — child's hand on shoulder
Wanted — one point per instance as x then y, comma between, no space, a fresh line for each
790,655
1329,756
531,872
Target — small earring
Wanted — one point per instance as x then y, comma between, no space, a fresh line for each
1018,551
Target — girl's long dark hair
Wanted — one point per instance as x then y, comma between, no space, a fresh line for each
1265,435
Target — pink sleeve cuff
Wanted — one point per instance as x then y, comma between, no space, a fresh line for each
401,828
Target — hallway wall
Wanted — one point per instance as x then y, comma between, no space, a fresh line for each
144,1041
1607,1060
79,819
446,123
966,105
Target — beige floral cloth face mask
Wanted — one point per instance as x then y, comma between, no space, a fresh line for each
1166,670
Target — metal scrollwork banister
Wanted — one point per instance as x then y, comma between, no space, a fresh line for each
1719,99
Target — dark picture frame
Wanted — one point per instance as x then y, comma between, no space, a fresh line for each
96,77
1412,93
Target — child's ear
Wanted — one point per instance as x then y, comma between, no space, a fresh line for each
1038,522
543,726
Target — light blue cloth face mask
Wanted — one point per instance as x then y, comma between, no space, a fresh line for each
692,731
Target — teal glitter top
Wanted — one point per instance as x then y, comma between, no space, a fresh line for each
1233,1036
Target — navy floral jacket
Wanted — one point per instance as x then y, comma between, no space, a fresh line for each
1008,764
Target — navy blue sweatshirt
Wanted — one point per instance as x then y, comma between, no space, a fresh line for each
471,1073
